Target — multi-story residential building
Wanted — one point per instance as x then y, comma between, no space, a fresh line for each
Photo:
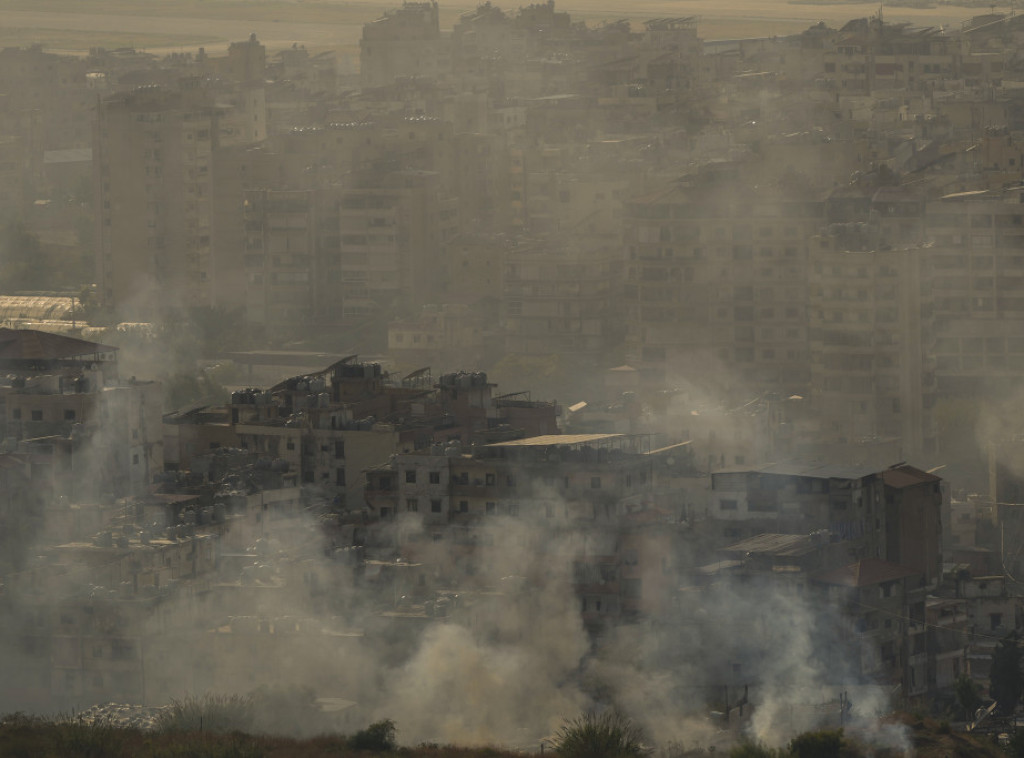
584,497
64,393
716,283
893,515
869,325
280,257
447,335
405,42
868,55
883,606
976,274
153,188
326,428
558,296
392,231
331,255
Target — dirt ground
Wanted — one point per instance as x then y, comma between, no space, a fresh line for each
184,25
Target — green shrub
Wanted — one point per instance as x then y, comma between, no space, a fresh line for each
751,749
207,746
378,737
608,735
74,738
823,744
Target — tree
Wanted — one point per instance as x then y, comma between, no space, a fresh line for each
968,697
1006,681
378,737
608,735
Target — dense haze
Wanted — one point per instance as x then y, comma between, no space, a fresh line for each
478,367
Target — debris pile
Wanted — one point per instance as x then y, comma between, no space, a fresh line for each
121,715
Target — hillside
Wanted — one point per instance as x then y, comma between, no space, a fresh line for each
26,736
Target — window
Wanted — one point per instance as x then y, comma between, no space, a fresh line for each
995,620
463,506
435,506
728,505
135,459
632,588
122,650
489,508
339,448
69,414
489,480
435,477
16,414
410,476
37,415
412,505
339,478
595,482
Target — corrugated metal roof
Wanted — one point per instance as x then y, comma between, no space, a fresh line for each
907,476
670,447
718,566
546,440
34,307
775,544
810,470
29,344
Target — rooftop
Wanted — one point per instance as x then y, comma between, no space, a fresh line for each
864,573
29,344
901,476
810,470
547,440
780,545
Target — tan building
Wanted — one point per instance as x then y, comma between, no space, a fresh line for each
405,42
153,188
716,283
103,433
871,377
976,274
558,298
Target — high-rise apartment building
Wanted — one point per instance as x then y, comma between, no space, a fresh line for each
869,323
716,285
153,188
404,42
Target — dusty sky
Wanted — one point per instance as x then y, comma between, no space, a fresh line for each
64,25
